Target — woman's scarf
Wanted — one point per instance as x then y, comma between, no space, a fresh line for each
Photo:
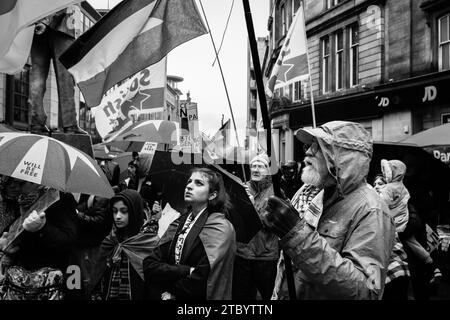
135,248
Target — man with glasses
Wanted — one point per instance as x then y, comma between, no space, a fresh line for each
340,247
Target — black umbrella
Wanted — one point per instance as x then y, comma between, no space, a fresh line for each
169,171
419,163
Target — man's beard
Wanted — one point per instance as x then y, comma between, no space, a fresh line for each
310,175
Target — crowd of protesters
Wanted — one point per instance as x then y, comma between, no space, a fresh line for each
345,238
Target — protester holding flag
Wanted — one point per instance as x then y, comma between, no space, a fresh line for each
343,250
53,35
256,262
194,259
17,18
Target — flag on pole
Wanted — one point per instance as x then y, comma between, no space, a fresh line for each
221,142
16,29
220,138
292,62
143,93
132,36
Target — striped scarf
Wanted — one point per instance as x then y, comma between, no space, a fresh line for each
119,288
398,265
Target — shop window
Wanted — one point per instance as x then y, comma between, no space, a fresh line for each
20,85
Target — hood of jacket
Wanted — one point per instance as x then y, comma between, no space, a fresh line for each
347,148
393,170
133,201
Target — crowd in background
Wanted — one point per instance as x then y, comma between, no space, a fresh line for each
346,239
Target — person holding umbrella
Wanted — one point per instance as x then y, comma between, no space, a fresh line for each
194,259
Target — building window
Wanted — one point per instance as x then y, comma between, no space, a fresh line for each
354,47
340,70
326,64
331,3
288,91
283,19
282,146
297,91
444,43
339,56
20,95
295,6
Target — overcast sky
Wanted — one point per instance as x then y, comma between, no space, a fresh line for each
193,61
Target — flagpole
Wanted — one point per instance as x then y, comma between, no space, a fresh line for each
226,91
313,110
267,126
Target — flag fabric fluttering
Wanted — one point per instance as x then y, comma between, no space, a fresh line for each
292,63
220,143
16,29
144,93
220,138
132,36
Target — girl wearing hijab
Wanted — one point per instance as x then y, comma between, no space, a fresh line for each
123,250
194,259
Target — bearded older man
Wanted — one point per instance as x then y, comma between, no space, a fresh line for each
341,246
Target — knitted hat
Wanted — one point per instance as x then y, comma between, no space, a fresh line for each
263,158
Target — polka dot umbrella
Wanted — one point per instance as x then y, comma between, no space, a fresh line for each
49,162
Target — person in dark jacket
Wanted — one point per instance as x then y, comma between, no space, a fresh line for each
111,170
94,220
290,181
94,224
421,272
194,259
119,268
256,262
48,236
132,181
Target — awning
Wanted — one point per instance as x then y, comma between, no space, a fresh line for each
349,107
428,90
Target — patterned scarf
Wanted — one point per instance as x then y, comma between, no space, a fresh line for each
181,238
308,201
119,288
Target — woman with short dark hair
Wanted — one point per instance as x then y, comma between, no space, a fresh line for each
194,259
